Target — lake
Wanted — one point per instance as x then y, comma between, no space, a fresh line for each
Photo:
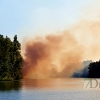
47,89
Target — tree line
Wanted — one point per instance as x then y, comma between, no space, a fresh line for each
10,58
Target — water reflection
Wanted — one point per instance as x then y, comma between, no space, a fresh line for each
53,83
10,85
38,89
42,84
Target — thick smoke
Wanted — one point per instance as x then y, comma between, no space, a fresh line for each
53,56
60,55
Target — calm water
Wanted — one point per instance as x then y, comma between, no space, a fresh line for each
43,89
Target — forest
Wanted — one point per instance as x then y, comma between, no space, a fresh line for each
10,59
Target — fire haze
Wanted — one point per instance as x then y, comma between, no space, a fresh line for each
60,55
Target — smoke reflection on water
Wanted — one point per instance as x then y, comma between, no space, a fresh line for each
29,84
54,84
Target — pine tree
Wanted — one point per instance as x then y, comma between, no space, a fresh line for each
17,59
10,59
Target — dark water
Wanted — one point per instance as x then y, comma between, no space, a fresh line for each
47,89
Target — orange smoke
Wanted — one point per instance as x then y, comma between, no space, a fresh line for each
87,33
53,56
60,55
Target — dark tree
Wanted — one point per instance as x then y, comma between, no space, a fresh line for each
16,58
94,70
10,59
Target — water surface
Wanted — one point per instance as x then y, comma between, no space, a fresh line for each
47,89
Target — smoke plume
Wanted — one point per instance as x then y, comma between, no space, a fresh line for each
60,55
56,55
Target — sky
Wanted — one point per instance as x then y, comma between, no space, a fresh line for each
39,17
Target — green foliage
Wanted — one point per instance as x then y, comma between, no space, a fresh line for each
10,59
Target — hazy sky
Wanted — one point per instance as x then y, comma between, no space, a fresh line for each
38,17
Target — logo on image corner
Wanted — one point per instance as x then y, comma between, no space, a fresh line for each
91,84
